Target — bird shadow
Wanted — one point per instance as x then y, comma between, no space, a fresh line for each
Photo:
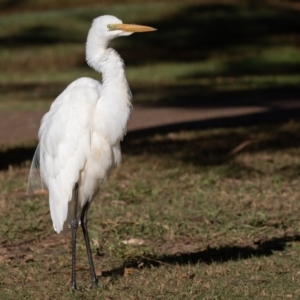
208,256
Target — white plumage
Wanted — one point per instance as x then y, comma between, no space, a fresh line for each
80,141
80,135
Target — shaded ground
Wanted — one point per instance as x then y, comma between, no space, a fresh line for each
17,127
216,211
211,224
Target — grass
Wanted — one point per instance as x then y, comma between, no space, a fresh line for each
198,214
202,223
210,55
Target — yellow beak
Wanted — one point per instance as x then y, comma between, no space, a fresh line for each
130,27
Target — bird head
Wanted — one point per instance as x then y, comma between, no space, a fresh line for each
110,27
103,30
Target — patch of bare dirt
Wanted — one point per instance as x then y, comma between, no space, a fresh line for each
25,251
18,127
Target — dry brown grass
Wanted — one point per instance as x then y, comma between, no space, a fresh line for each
174,222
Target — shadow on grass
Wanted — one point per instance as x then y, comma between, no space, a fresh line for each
40,35
196,95
193,34
31,91
170,95
15,157
190,34
197,31
266,132
7,4
208,256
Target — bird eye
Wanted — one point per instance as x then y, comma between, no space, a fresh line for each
110,27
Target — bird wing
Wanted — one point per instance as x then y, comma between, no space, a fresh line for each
64,146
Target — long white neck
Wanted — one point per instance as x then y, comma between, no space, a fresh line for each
106,61
115,93
95,50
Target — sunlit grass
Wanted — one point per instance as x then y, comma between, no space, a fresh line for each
63,63
47,48
214,225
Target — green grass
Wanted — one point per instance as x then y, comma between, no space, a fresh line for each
213,225
198,46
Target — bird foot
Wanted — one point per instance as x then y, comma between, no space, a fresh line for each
74,288
95,284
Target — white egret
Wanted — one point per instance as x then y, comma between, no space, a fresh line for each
79,138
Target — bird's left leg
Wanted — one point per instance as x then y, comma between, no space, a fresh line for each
87,243
74,226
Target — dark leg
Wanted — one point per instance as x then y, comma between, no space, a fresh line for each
87,243
74,226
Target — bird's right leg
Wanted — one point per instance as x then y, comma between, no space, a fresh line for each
74,226
87,243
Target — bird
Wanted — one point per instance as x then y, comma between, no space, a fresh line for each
80,135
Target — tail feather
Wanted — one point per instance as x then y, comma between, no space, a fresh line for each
36,183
